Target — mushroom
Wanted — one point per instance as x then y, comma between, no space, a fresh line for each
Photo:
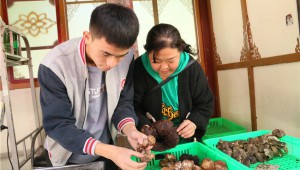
278,132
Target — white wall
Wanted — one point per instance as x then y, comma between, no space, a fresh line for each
277,91
228,29
23,117
277,87
234,96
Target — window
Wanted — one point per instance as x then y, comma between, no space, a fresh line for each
79,11
37,21
179,13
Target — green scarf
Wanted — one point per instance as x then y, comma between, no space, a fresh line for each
170,104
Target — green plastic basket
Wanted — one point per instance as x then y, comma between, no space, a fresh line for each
289,161
193,148
218,127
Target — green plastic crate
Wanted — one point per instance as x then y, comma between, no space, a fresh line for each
218,127
193,148
289,161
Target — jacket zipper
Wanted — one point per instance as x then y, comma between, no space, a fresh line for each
84,97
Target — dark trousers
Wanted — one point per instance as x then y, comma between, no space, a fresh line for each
109,165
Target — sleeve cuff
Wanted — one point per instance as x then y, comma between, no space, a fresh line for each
124,122
89,146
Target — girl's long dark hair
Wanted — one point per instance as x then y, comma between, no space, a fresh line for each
165,35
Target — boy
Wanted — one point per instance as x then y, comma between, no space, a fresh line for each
84,92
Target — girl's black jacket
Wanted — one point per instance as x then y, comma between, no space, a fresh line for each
194,96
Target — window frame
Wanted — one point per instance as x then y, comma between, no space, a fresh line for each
62,36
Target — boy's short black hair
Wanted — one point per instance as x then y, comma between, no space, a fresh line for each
117,24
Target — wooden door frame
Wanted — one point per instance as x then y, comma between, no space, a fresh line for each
204,30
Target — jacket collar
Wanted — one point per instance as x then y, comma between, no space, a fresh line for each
81,50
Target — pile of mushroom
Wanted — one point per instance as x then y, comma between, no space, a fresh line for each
258,149
165,134
150,141
189,162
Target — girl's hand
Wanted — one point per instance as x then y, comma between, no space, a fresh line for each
186,129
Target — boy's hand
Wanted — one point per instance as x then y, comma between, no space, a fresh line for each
134,136
120,156
123,159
